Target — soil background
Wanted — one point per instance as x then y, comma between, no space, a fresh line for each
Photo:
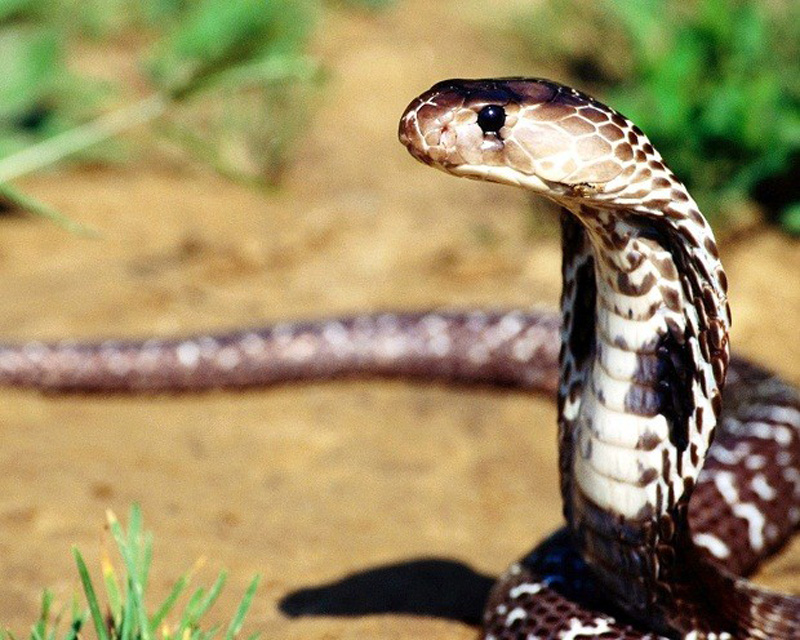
306,484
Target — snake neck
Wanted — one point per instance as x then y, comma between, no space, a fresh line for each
643,361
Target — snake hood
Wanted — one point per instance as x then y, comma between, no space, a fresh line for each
532,133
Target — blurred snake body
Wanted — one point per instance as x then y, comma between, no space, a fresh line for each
680,468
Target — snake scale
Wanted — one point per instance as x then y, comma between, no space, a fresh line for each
679,465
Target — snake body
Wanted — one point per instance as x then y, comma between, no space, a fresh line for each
661,523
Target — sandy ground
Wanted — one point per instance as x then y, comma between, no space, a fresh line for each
307,484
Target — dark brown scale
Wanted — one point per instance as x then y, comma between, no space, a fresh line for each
711,247
689,239
696,217
577,125
627,287
673,213
671,297
611,132
659,182
679,195
595,115
643,400
618,120
624,152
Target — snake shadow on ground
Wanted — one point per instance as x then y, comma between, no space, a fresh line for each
435,587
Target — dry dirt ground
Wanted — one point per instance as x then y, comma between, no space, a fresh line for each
310,483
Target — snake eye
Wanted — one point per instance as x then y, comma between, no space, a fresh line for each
491,118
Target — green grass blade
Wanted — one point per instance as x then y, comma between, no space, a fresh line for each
91,596
188,619
113,592
147,558
238,620
134,539
169,602
34,206
77,620
39,630
135,589
207,602
128,630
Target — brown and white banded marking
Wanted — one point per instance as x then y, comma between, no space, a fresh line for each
512,348
644,357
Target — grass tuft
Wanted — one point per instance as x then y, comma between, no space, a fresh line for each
124,615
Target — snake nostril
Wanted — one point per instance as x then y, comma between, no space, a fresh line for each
491,118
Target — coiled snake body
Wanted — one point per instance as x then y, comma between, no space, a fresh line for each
661,524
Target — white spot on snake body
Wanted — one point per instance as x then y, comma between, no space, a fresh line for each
791,474
438,340
789,415
524,349
391,347
253,344
434,324
730,456
755,462
35,351
526,588
228,358
762,488
572,408
713,544
579,630
336,335
188,354
510,325
299,349
517,613
440,344
783,458
780,433
117,363
725,483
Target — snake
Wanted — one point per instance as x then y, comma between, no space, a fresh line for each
679,464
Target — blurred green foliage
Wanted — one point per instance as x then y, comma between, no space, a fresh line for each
234,81
715,84
241,53
39,96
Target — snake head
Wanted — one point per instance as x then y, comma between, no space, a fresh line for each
527,132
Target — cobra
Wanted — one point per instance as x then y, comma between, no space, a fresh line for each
663,517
